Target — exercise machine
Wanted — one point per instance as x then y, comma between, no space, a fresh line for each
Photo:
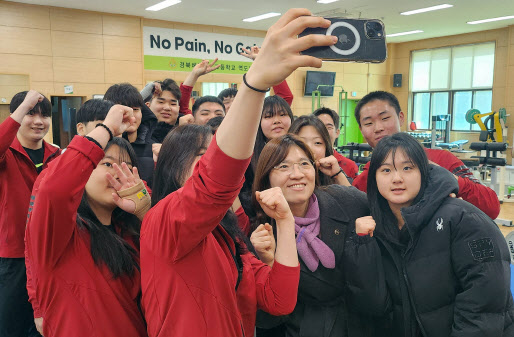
494,122
457,145
441,124
492,160
356,150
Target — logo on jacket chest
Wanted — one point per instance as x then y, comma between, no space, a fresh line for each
439,224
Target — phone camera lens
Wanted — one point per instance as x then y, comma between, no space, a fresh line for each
374,30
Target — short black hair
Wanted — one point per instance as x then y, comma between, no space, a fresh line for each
205,99
44,107
229,92
214,123
331,113
124,94
170,85
377,95
167,85
93,110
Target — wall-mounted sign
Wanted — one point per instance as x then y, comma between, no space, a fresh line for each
68,89
181,50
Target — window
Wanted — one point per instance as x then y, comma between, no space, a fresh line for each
452,81
213,89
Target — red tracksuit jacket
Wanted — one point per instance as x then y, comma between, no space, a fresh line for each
76,297
349,166
188,274
17,176
281,89
470,189
30,286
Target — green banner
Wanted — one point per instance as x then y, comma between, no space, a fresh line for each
187,64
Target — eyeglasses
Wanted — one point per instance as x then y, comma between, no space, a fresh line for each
304,166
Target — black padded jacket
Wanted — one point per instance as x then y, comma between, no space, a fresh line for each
448,274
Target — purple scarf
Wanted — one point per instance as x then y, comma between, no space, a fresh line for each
310,248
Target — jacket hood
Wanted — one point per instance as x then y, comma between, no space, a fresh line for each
148,122
441,183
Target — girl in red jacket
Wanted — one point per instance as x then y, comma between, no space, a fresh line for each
255,285
195,278
82,240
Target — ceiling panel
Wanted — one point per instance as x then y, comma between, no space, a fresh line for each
230,13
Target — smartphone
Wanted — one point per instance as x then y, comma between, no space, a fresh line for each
359,40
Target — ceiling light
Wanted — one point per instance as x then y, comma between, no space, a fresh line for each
326,1
162,5
428,9
405,33
261,17
491,20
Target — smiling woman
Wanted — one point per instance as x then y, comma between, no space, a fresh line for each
323,216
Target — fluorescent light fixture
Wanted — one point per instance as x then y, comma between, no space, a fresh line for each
162,5
405,33
491,20
326,1
261,17
428,9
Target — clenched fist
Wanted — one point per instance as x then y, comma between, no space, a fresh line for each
264,243
365,226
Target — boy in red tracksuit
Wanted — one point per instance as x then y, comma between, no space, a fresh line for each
23,154
379,115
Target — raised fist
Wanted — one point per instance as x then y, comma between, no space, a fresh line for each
31,99
119,118
328,165
365,226
274,204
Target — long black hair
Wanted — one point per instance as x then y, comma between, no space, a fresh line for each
315,122
107,247
387,224
177,154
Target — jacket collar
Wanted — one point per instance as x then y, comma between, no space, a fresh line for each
50,149
326,206
334,221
